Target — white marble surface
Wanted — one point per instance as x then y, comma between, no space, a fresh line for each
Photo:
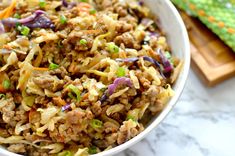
201,124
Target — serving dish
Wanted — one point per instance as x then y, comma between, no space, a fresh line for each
174,28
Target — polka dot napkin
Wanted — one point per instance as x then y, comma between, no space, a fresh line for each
218,15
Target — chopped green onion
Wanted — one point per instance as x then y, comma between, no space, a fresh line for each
6,84
121,72
130,117
18,26
167,54
169,57
42,3
76,91
92,11
83,42
95,123
113,48
92,150
16,15
65,153
23,29
53,66
63,19
2,96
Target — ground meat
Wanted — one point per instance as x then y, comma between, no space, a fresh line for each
17,98
4,133
96,108
20,114
60,72
42,100
7,110
74,117
17,148
110,127
34,116
111,138
123,26
127,131
7,116
49,82
128,39
75,36
144,81
103,4
121,9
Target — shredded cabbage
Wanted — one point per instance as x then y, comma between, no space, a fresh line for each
119,93
114,109
45,37
166,94
82,152
134,79
55,148
11,60
19,127
25,73
97,41
152,72
48,113
113,67
32,88
11,139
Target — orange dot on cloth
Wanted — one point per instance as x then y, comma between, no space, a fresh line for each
221,24
201,13
231,30
211,19
192,6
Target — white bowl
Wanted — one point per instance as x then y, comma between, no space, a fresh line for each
177,37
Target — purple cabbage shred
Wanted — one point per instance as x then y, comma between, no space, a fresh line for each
118,82
168,67
36,20
67,4
66,107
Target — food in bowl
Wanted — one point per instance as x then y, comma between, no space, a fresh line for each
80,77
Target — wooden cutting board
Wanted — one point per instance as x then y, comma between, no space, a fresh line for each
212,60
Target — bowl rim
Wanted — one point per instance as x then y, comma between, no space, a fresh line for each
167,109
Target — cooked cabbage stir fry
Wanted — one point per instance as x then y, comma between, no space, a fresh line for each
79,77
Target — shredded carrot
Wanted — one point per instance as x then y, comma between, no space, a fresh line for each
2,90
7,12
2,13
40,69
84,7
73,67
59,101
91,31
7,47
85,96
122,54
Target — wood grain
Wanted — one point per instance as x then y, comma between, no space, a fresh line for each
212,60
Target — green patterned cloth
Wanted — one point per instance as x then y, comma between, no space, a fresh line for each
218,15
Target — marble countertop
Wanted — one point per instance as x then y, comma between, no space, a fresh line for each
201,124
